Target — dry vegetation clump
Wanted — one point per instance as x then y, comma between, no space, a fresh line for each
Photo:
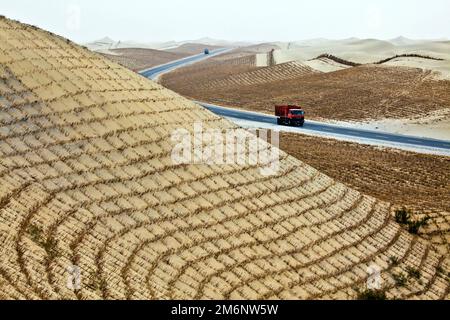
87,183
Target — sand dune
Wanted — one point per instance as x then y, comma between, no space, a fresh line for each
105,44
365,51
325,65
86,181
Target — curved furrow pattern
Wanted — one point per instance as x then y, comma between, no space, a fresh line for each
401,250
13,284
256,209
74,144
276,223
216,221
16,215
292,235
359,268
285,220
185,213
62,217
88,187
357,225
125,231
437,285
312,280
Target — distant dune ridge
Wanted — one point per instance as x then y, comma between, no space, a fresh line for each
431,55
87,186
106,43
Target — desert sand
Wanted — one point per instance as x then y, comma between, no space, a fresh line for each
436,125
191,48
370,51
105,44
87,183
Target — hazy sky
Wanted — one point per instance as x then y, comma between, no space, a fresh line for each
256,20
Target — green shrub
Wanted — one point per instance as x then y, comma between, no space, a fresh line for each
414,226
413,273
35,233
393,261
370,294
50,245
96,283
400,279
403,217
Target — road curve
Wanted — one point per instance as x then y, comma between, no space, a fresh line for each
330,129
154,72
425,145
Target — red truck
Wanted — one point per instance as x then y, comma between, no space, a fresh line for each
290,115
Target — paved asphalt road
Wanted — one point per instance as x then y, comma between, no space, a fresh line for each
329,129
154,72
332,129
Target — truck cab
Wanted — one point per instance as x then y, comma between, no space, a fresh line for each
290,115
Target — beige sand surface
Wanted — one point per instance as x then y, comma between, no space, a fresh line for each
436,125
370,51
441,68
105,44
325,65
262,60
87,181
192,48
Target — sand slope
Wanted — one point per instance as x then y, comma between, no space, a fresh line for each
86,180
370,51
105,44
